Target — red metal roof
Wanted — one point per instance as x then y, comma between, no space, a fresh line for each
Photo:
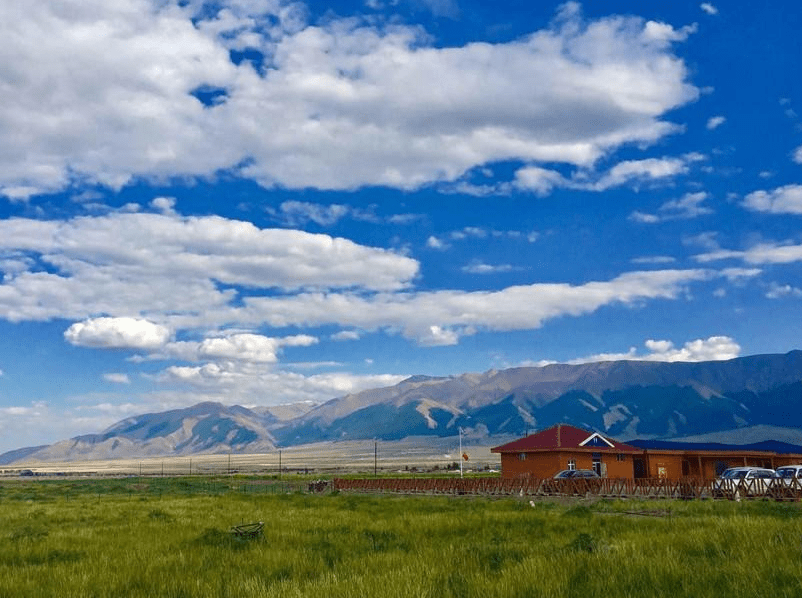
565,437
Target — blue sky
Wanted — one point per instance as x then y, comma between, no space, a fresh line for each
260,202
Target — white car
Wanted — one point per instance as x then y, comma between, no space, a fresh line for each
791,475
744,481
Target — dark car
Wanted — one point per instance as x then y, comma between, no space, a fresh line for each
575,473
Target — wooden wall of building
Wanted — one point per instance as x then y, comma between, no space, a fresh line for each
546,464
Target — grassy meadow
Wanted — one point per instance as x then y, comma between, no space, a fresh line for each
170,537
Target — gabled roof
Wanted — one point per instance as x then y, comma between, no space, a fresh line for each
565,437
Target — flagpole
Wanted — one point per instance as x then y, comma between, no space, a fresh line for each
460,452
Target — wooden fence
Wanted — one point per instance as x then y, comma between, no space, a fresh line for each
685,488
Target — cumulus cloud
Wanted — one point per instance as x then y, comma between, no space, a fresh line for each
715,122
714,348
242,383
440,317
783,200
797,156
138,89
250,347
117,333
436,336
132,263
155,275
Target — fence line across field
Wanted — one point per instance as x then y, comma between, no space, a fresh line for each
685,488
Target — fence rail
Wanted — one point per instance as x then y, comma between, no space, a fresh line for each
684,488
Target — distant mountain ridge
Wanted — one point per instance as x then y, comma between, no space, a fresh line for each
761,394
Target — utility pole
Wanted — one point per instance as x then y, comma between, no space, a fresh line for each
375,458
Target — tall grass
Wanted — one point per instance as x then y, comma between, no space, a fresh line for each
97,539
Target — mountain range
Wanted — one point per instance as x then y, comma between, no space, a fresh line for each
755,397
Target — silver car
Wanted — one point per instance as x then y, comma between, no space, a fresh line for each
791,475
575,473
744,481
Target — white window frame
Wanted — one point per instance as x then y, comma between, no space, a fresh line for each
572,464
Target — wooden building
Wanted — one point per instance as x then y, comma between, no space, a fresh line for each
566,447
562,446
674,460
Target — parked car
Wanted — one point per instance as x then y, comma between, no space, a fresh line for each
575,473
744,481
791,475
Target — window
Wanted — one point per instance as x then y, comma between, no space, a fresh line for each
620,457
522,456
572,464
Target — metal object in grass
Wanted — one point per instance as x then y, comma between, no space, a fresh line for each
248,530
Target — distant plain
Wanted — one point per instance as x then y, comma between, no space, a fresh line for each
325,458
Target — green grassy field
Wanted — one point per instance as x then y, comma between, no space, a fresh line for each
171,538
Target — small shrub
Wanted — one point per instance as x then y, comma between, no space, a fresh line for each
31,533
159,515
583,543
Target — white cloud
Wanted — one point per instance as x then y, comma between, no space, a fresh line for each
482,268
242,383
738,274
761,253
783,200
714,122
165,205
640,170
779,291
435,243
432,316
346,335
654,259
708,8
687,207
337,105
644,218
296,213
155,274
131,264
797,156
539,181
250,347
117,333
629,172
117,378
714,348
435,336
